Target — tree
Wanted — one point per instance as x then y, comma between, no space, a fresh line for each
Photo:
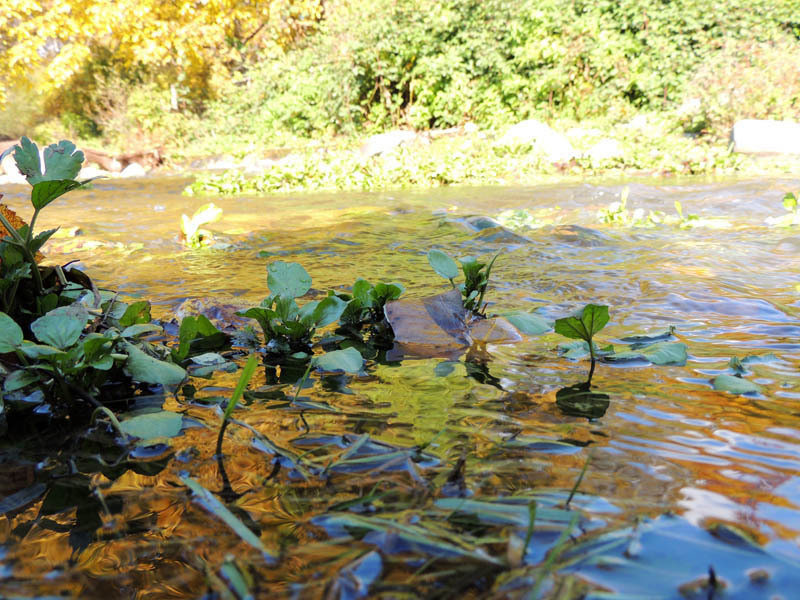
186,43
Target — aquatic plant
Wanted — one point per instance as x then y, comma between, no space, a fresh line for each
19,247
65,341
192,233
476,277
791,204
366,303
583,325
287,327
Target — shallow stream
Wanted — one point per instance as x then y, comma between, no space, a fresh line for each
358,493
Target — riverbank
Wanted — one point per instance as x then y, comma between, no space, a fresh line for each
527,152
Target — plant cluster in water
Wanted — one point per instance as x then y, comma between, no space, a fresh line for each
66,345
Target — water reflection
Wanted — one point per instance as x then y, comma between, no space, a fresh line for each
502,422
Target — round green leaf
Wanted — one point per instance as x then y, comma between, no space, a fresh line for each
19,379
146,369
666,353
735,385
286,279
10,334
328,311
348,360
528,323
153,425
443,264
57,330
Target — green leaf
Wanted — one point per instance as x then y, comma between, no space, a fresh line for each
138,312
348,360
443,264
140,329
361,290
153,425
10,334
40,240
32,350
19,379
528,323
96,349
61,327
735,385
244,379
584,324
29,163
662,353
213,504
328,311
286,279
790,202
386,292
146,369
44,192
61,161
666,353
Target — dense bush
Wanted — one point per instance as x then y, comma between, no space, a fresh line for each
431,63
744,79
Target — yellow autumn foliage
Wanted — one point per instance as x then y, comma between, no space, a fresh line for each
186,42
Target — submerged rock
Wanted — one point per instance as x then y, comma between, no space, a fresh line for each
753,136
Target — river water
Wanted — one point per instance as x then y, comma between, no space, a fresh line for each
667,443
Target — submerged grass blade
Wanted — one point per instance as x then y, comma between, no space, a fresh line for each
215,506
578,481
244,379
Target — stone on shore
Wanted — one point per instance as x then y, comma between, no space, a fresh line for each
386,142
543,138
753,136
133,170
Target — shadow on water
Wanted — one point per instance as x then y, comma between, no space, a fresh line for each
450,473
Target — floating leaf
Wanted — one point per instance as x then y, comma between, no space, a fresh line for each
735,385
286,279
662,353
443,264
10,334
213,504
147,369
528,323
153,425
348,360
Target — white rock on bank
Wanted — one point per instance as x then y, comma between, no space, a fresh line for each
133,170
386,142
605,149
542,137
753,136
91,173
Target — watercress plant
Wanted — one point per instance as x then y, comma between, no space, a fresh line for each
583,325
288,328
476,277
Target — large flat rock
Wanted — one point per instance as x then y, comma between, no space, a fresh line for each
753,136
